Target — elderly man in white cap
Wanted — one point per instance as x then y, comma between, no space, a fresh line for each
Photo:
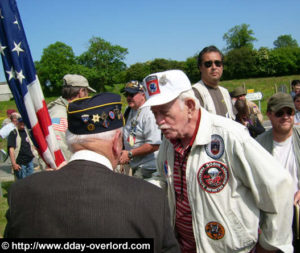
222,185
74,86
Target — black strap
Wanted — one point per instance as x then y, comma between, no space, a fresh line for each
126,113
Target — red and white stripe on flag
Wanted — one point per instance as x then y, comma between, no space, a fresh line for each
41,125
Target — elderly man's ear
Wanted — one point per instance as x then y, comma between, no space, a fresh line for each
117,143
191,106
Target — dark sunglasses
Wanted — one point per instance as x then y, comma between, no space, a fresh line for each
208,64
127,94
282,112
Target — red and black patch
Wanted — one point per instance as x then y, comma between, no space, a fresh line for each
213,176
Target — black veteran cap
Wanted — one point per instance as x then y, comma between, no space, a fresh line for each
96,114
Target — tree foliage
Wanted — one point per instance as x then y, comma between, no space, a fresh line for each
239,36
103,63
57,60
105,59
240,63
137,71
285,41
191,69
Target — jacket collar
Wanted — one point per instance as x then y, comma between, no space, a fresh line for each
204,133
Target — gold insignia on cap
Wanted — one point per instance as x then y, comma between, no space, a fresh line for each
96,118
91,127
103,116
163,79
118,112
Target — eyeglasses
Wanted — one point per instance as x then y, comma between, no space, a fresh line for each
208,64
127,94
282,112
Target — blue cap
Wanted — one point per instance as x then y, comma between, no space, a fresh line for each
96,114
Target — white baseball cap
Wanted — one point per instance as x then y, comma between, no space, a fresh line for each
163,87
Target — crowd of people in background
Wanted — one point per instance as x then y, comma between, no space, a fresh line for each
220,181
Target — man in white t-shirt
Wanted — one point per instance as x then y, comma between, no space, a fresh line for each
283,140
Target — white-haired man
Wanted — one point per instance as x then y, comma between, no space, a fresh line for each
222,185
86,198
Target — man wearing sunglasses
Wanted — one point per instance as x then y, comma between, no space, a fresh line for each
283,140
141,135
213,97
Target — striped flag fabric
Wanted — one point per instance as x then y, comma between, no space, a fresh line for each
24,84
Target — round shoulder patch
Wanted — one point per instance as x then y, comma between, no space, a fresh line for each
213,176
214,230
215,149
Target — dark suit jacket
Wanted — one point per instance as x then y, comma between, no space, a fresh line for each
87,200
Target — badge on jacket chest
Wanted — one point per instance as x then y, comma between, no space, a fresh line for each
213,176
215,149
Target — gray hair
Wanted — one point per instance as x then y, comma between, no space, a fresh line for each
191,95
84,138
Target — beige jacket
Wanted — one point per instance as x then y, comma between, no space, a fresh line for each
254,110
234,187
58,114
209,103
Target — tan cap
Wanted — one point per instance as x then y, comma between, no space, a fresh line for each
77,81
238,91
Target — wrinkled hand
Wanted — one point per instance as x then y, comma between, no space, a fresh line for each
297,198
124,159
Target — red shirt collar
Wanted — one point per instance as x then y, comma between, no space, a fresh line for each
177,144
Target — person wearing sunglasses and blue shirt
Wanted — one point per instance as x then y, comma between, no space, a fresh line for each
213,97
283,142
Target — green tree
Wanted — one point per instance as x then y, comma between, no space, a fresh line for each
284,61
263,62
105,59
160,64
191,69
240,63
56,61
285,41
239,36
137,71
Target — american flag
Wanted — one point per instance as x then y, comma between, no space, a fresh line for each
24,84
60,124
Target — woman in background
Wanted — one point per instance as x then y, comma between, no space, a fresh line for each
252,123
